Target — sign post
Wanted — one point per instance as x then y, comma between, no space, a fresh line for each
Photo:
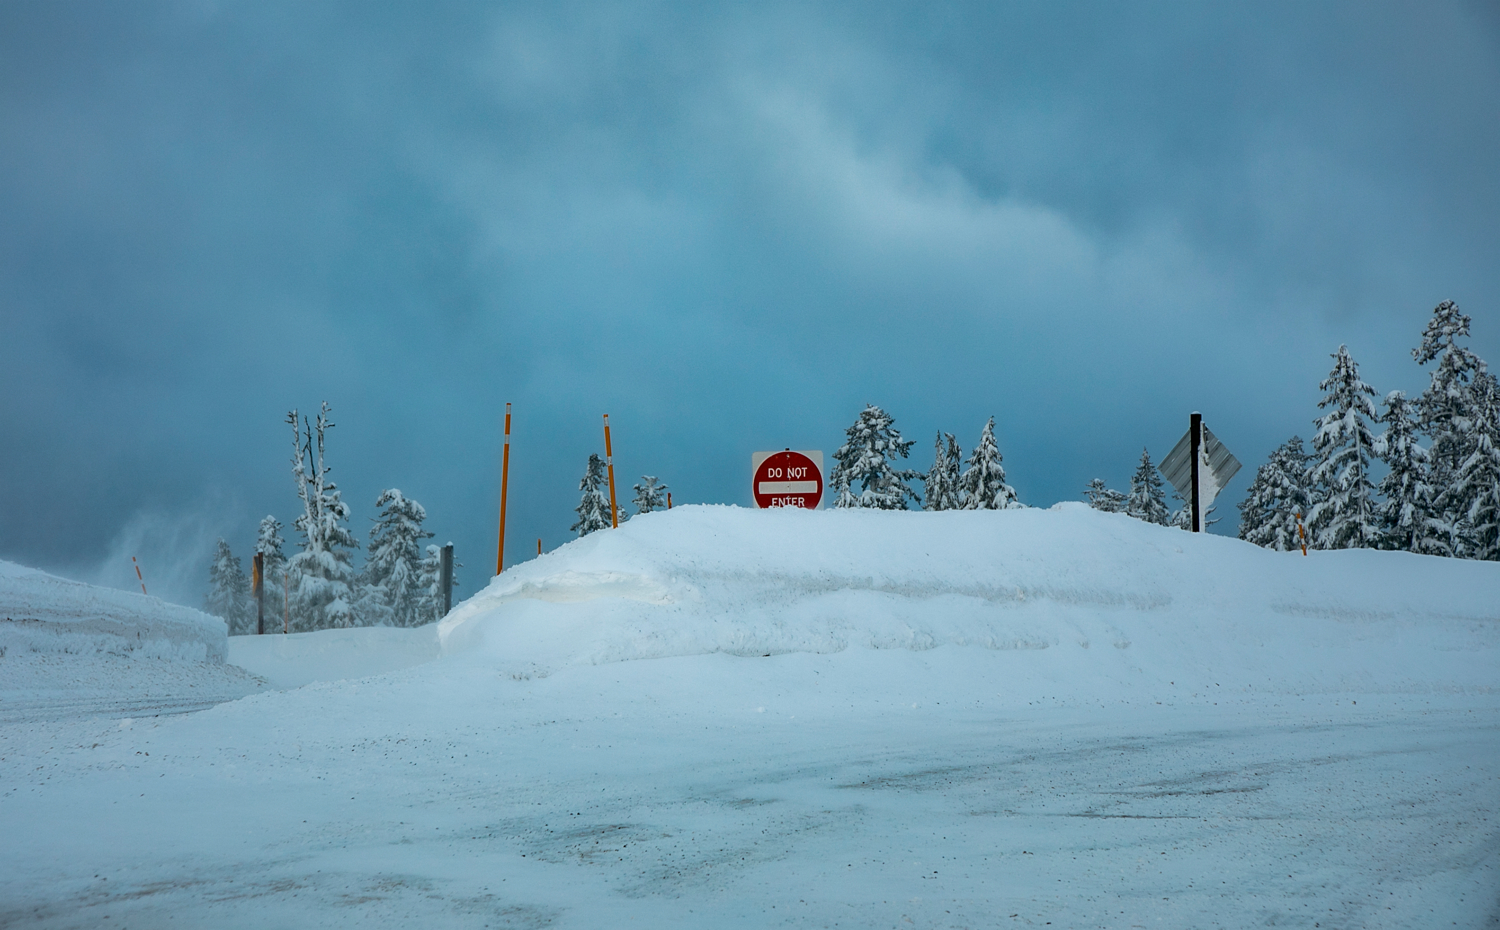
504,480
787,479
445,569
609,458
1199,467
258,590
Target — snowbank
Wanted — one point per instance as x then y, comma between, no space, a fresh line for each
297,659
1097,600
41,613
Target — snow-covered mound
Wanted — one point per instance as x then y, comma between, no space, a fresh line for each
297,659
42,613
1096,601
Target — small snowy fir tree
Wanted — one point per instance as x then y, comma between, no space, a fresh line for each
1478,479
1145,500
1104,498
866,462
650,495
1276,498
1407,521
322,578
983,482
229,591
394,566
593,509
942,489
269,544
430,584
1343,514
1445,409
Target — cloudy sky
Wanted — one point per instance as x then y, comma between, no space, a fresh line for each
728,226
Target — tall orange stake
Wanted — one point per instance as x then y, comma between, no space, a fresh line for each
143,581
609,459
504,480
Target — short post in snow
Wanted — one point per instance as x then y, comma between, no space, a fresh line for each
447,577
504,479
609,460
138,576
258,591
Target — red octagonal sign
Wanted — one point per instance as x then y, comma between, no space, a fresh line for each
788,479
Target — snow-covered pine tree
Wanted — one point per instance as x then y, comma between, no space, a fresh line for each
843,496
1146,500
322,579
430,584
268,543
394,566
1407,519
650,495
983,482
942,484
1478,478
1104,498
593,509
228,591
1445,413
866,461
1280,491
1343,514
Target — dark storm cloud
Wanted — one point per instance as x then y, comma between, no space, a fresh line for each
727,228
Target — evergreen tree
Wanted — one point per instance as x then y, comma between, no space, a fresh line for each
843,497
593,509
866,460
1275,499
650,495
1478,479
1104,498
228,591
1343,514
268,544
1444,410
983,483
1146,500
430,584
393,568
322,578
942,486
1407,520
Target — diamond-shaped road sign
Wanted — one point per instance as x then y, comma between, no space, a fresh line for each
1215,466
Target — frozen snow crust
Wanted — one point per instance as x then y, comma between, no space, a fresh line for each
45,614
1087,601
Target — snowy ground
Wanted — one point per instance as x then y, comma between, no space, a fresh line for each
967,720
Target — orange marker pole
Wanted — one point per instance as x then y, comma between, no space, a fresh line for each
286,602
138,574
669,500
504,480
1301,534
609,459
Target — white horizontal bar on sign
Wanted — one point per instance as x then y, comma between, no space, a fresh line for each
788,487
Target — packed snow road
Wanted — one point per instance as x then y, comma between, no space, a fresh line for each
716,718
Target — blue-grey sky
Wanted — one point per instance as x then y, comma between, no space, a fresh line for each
728,226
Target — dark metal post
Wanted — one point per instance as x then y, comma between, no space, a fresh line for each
447,580
258,590
1195,444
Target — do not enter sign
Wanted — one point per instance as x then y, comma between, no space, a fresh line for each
787,479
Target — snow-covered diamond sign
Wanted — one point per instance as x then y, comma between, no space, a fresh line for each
787,479
1199,466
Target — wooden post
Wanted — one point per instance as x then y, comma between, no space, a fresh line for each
258,591
539,545
138,574
609,459
1195,445
504,480
447,574
669,500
